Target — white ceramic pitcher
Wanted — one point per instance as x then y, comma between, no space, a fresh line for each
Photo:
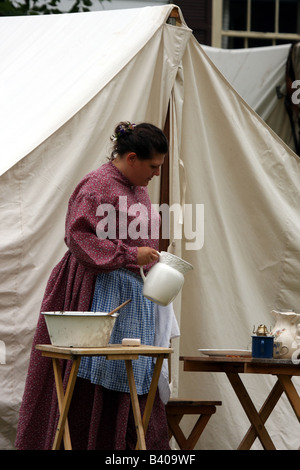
165,279
287,330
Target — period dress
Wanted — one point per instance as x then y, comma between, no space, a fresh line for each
98,273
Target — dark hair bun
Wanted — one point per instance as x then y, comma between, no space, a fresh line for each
144,139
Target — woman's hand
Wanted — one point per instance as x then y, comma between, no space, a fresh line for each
146,255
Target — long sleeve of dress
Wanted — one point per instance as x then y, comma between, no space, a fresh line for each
99,254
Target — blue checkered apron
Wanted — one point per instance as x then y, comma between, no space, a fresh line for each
136,320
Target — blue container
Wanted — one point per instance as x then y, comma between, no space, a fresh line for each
262,346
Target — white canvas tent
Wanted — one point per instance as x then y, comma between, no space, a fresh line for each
258,75
66,80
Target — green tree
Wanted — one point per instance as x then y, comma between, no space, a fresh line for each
41,7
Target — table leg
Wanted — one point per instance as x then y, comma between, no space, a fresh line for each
250,410
135,406
65,401
264,413
291,393
152,392
60,398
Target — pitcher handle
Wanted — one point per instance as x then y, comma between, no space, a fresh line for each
142,271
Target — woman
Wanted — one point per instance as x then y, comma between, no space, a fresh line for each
111,230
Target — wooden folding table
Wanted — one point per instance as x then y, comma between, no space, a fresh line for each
284,369
111,352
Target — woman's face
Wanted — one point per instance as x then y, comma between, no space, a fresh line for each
140,172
